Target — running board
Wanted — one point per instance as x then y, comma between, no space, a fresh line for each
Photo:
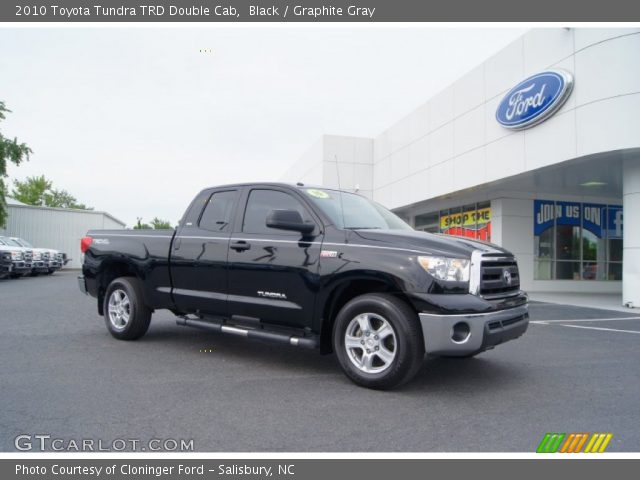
275,337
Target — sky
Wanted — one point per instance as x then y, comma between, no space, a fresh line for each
136,121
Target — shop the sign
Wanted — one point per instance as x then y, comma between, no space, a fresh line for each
601,220
470,224
535,99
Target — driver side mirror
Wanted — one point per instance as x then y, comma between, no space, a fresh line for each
289,220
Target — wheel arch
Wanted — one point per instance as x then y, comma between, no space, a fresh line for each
344,291
110,271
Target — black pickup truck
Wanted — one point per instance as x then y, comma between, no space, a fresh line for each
310,267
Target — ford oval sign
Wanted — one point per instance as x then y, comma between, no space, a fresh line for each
535,99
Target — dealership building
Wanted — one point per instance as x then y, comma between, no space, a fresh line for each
537,150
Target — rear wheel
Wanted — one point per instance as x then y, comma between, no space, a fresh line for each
125,314
378,341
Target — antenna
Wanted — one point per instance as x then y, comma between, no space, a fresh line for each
335,159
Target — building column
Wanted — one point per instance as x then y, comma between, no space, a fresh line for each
631,232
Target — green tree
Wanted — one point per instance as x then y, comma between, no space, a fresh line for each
159,224
32,191
10,151
155,224
40,191
63,199
142,226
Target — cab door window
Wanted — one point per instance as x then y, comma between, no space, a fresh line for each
218,210
261,203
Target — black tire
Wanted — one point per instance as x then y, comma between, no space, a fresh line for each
407,341
138,314
15,275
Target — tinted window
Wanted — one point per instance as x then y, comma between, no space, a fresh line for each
217,213
261,202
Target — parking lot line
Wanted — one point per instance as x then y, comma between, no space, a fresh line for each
637,317
592,328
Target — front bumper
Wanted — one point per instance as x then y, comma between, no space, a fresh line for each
22,268
467,334
40,267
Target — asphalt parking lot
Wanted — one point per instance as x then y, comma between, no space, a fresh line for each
575,370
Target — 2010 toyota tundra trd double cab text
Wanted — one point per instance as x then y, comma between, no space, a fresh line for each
310,267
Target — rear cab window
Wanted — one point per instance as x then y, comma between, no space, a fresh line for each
218,211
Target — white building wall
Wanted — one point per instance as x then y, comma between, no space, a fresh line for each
56,228
336,161
453,142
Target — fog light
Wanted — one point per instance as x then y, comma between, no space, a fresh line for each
460,332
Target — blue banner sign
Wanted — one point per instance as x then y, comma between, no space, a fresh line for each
614,221
597,218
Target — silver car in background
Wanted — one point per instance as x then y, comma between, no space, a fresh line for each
45,260
21,258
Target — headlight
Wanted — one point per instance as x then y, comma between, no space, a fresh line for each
37,256
16,255
449,269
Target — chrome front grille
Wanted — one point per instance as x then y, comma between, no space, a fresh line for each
28,255
494,275
499,277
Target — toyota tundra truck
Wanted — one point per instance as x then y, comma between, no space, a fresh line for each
310,267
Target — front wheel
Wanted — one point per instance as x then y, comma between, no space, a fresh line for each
125,314
378,341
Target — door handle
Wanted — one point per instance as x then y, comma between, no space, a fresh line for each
240,246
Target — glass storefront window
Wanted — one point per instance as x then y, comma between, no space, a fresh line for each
567,242
615,271
567,270
615,250
544,244
471,221
544,270
428,223
593,271
577,241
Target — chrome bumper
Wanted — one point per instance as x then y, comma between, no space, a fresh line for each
466,334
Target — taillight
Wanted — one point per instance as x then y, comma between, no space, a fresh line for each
85,243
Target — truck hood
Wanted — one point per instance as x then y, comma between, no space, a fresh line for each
11,248
445,245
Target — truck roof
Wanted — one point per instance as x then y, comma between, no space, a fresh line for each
272,184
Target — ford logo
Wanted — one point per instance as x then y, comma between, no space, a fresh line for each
535,99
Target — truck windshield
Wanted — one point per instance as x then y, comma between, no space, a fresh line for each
11,242
359,212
